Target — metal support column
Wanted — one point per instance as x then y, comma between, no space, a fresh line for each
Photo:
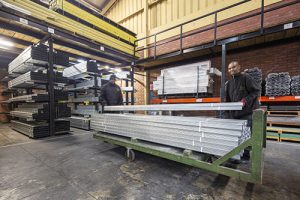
223,77
132,84
51,88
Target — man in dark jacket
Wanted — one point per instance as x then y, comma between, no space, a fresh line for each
242,88
111,94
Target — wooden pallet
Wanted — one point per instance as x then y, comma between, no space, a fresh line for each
283,113
289,137
279,130
273,136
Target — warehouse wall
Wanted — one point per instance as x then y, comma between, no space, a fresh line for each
282,56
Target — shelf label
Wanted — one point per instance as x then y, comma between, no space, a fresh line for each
102,48
271,97
199,100
165,101
50,30
288,26
23,21
297,97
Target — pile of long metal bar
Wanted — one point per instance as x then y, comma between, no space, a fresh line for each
84,85
295,85
202,134
178,107
30,78
78,70
80,122
191,78
39,129
40,111
35,57
41,97
278,84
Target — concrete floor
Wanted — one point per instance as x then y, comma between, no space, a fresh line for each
76,166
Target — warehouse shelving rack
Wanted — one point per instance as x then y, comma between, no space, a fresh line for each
52,102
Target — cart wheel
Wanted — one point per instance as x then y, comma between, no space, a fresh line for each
130,155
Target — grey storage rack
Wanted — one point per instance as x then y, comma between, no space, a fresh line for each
84,92
39,114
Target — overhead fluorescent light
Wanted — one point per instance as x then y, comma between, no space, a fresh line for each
107,67
5,43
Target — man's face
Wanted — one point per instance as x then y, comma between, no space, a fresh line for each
113,81
234,68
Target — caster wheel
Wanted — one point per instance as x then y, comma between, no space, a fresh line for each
130,155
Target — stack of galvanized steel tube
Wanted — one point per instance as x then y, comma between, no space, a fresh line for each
278,84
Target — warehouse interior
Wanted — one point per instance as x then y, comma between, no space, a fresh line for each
152,99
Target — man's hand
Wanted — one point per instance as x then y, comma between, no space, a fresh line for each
244,102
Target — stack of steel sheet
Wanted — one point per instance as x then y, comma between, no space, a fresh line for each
295,85
39,129
202,134
30,78
80,122
41,97
84,85
31,112
278,84
36,57
255,74
80,69
40,111
31,58
191,78
85,110
33,129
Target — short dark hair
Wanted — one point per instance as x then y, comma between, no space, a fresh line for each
113,77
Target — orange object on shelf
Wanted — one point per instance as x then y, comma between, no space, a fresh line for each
217,100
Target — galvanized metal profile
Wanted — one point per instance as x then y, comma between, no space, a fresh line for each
208,135
178,107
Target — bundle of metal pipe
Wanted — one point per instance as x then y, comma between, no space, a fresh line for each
39,129
295,85
80,122
202,134
278,84
178,107
255,74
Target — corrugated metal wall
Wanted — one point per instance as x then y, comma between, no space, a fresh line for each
162,14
